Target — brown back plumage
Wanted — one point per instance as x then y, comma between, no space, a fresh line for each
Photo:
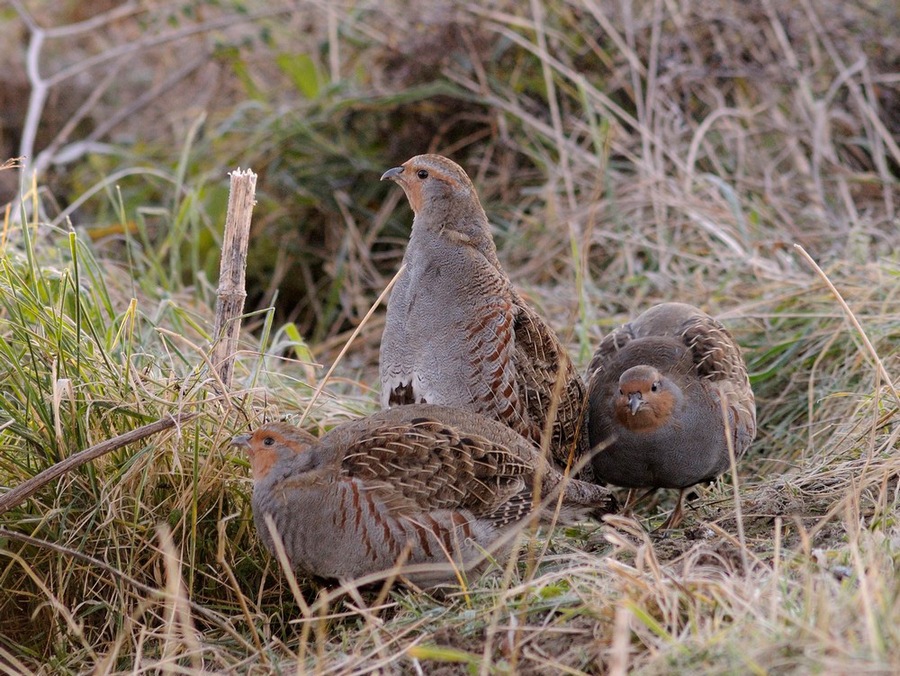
457,334
423,482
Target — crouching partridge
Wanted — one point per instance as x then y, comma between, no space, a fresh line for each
666,393
431,488
458,334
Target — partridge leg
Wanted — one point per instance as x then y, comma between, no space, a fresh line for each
677,515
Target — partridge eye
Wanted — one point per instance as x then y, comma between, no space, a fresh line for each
421,173
622,393
654,387
268,441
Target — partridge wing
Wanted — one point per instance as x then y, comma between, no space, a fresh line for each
606,352
517,505
541,361
717,358
492,346
432,466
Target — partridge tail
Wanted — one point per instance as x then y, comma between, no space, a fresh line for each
581,500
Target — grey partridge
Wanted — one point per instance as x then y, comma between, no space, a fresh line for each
458,334
420,485
666,390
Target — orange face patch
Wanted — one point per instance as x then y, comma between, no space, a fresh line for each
261,460
656,411
412,186
267,443
439,171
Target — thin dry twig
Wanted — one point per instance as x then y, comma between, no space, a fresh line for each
41,85
30,486
322,383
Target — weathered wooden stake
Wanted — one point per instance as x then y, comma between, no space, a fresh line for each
233,273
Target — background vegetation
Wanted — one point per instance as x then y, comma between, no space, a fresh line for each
627,153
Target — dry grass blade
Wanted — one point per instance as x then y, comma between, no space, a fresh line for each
356,332
851,317
180,636
139,586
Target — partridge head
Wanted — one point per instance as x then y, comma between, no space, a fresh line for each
278,446
668,393
646,398
422,490
458,334
441,190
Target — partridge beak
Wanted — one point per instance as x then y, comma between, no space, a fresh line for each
392,173
242,440
635,401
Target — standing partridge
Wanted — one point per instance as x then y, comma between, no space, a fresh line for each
431,488
458,334
666,392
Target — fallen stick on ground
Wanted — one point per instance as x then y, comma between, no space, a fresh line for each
30,486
